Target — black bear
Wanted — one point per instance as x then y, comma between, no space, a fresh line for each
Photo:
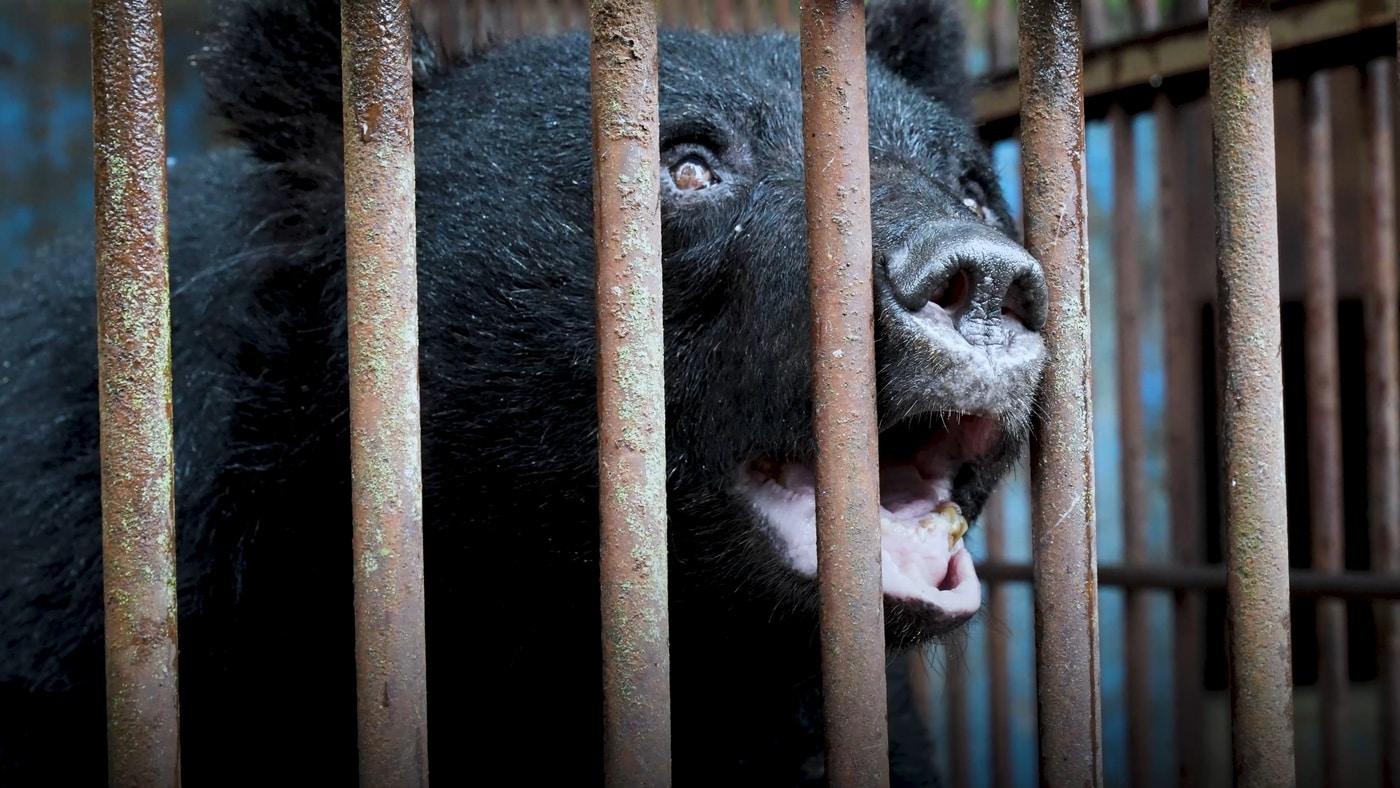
505,256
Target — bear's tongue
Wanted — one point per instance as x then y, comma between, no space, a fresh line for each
922,555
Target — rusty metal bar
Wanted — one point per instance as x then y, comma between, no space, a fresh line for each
998,649
1062,462
385,463
1133,448
1324,414
1382,332
1251,434
1181,332
133,326
836,154
631,394
1303,583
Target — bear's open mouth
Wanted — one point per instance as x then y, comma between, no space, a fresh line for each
923,560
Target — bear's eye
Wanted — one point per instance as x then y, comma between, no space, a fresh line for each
692,174
981,211
975,200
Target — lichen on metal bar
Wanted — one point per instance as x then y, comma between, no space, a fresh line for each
385,455
835,130
631,394
1251,434
134,394
1062,463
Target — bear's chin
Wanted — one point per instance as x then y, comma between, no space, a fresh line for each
926,569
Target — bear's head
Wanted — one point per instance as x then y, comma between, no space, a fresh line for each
506,299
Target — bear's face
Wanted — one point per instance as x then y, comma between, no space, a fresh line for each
958,306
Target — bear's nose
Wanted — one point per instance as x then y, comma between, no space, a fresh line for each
973,273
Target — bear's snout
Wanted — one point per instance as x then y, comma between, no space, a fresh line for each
973,275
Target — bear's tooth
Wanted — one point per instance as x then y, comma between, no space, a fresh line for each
957,524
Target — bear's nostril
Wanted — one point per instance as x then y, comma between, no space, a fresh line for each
1025,300
1013,306
953,294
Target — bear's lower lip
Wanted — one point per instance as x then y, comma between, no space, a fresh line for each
923,560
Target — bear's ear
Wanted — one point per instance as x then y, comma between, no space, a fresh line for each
922,41
272,69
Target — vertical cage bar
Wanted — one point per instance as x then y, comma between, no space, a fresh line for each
998,650
385,464
1382,334
1062,462
137,453
631,394
836,155
1251,435
1324,414
1128,310
1181,330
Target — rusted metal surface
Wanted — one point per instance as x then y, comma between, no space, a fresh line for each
1324,414
1382,332
1182,55
385,463
1304,582
1181,333
835,130
1132,440
1062,463
631,394
998,651
133,325
1251,435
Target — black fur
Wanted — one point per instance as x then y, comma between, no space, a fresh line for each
505,286
922,42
